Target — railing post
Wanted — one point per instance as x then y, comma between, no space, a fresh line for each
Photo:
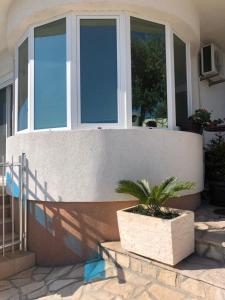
3,206
25,199
21,202
12,205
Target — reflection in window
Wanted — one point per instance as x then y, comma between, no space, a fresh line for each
98,64
50,75
180,80
23,86
149,92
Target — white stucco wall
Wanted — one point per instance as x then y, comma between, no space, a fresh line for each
85,165
181,14
213,99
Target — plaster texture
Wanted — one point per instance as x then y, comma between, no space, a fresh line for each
86,165
167,241
24,13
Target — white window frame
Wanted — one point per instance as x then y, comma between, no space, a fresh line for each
120,82
169,71
124,76
188,72
20,42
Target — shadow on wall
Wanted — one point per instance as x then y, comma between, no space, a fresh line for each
64,233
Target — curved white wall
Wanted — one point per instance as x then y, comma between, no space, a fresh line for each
182,15
85,165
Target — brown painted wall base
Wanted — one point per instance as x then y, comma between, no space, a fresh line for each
65,233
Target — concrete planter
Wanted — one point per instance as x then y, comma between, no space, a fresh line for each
167,241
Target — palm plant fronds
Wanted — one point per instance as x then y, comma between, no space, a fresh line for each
154,197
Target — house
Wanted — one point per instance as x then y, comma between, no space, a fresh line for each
80,80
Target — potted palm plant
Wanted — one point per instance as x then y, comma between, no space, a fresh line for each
152,230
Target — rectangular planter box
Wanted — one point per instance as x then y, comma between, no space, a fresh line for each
167,241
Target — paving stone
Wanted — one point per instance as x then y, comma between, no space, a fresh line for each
24,274
51,297
58,272
135,265
149,269
102,295
29,288
39,293
192,286
125,290
59,284
162,293
143,296
123,260
72,291
4,285
214,293
10,293
39,277
76,272
42,270
21,282
167,277
95,285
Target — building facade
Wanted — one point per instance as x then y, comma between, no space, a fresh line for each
94,92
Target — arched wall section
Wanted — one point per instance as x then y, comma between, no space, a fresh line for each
85,165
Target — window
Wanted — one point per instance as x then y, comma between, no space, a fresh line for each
98,70
23,86
180,80
149,89
50,97
79,74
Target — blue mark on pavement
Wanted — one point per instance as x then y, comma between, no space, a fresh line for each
94,269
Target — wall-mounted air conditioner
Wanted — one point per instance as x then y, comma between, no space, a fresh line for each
212,64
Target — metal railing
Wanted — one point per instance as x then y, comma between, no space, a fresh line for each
14,199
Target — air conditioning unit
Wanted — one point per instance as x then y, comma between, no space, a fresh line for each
212,64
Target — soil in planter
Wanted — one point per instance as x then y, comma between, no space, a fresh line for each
162,214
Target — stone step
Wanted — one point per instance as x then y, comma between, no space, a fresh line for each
210,233
13,263
194,278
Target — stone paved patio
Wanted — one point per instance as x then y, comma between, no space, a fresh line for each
210,233
70,283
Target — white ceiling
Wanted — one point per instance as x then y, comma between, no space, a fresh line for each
212,16
4,5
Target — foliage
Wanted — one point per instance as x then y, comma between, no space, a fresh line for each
149,76
154,197
203,118
215,159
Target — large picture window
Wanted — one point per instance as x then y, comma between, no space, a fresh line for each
98,70
149,88
180,68
50,97
22,118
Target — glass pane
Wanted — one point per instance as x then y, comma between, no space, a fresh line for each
98,62
23,86
180,80
50,75
149,91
